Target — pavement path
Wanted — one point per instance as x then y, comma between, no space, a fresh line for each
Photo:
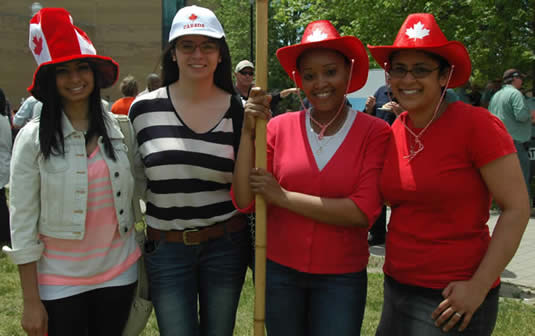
521,269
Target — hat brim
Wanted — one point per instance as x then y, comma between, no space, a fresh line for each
349,46
453,51
519,74
107,72
211,34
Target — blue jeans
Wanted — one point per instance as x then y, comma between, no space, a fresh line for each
407,312
304,304
211,274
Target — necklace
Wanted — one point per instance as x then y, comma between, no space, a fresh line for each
323,141
323,127
415,147
418,145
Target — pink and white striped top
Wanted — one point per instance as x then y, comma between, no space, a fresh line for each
103,254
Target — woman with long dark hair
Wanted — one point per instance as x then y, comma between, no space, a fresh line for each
71,190
188,131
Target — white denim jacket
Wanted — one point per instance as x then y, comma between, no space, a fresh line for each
49,197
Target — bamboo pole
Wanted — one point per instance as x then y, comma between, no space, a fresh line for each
260,162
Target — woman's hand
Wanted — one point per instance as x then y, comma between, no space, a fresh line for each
264,184
34,318
257,106
462,299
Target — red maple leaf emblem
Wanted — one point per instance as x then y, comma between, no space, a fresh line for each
193,17
38,45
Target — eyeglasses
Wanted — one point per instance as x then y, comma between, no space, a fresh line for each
417,72
188,47
247,73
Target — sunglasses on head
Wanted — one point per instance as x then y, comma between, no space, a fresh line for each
247,73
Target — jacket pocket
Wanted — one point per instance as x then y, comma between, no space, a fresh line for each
54,180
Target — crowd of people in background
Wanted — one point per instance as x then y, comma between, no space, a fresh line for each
423,144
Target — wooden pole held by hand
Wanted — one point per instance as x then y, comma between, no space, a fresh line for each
260,162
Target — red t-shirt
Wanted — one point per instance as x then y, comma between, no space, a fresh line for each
353,172
122,106
440,204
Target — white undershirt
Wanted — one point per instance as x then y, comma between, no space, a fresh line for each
325,148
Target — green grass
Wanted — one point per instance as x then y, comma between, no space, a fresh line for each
514,319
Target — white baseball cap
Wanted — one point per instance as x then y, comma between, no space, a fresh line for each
194,20
244,64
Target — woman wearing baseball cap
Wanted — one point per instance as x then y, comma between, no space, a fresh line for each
444,165
321,186
71,192
188,131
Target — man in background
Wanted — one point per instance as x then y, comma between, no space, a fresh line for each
510,106
244,73
129,90
29,109
153,82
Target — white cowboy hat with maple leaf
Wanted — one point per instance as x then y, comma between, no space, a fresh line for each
54,39
322,34
195,20
421,32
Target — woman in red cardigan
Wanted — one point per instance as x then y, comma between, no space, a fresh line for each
321,187
443,165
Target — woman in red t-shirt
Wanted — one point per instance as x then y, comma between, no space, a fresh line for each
321,186
442,267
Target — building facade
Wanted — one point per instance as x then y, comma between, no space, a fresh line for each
128,31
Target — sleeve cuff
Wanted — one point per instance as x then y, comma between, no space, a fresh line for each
248,210
26,255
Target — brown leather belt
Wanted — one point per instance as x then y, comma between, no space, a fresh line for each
197,236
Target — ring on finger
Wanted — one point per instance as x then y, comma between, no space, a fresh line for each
459,315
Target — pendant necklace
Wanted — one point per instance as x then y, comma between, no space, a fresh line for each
418,146
323,142
323,127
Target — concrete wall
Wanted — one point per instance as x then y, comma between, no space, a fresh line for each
128,31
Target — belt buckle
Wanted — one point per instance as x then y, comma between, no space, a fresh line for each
185,237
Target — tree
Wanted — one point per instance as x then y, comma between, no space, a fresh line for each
498,34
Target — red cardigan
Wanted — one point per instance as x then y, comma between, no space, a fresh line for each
353,172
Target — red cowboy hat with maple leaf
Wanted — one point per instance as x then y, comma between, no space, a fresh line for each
54,39
421,32
322,34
